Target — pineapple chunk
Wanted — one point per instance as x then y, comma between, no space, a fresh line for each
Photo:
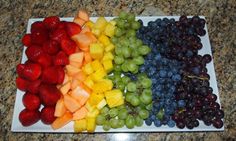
91,124
80,125
96,31
89,82
93,113
114,98
102,86
100,23
101,104
108,56
109,47
99,74
104,40
89,24
95,98
110,30
107,64
96,65
88,69
96,50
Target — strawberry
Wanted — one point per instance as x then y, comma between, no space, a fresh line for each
31,71
49,94
68,46
19,69
47,115
29,117
22,84
58,34
28,62
26,40
72,28
50,75
39,36
33,86
33,52
37,26
51,22
61,59
61,75
31,101
45,60
62,25
51,47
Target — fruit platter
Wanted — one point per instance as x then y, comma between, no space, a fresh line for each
117,74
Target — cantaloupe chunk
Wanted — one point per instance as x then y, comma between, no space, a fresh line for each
66,79
71,103
91,36
79,21
81,76
80,114
89,24
62,121
87,57
76,64
80,95
71,70
77,57
74,83
60,108
83,41
85,29
65,88
83,15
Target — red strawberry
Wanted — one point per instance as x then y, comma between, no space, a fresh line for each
51,47
26,40
47,115
49,94
29,117
22,84
28,62
50,75
68,46
39,36
31,71
31,101
33,52
58,35
19,69
33,86
72,28
61,59
38,26
51,22
61,75
45,60
62,25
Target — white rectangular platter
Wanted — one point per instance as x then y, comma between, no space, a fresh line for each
40,127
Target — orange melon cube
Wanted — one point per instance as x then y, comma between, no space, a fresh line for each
62,121
74,83
60,108
80,95
71,70
83,41
83,15
76,64
71,103
79,21
77,57
81,76
65,88
91,36
85,29
87,57
80,114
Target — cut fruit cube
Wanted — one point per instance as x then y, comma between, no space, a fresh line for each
80,125
100,23
81,76
71,70
91,124
93,113
89,82
99,74
85,29
79,21
104,40
83,15
96,65
108,56
90,24
101,104
77,57
95,98
109,47
80,114
65,88
80,95
88,69
87,57
89,107
109,30
107,64
102,85
62,121
60,108
114,98
71,104
76,64
96,50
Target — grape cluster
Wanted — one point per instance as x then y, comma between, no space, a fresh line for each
129,50
179,74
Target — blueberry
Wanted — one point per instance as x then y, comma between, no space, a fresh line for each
148,122
162,73
181,103
171,123
157,123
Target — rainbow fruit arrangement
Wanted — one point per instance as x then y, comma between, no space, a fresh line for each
116,73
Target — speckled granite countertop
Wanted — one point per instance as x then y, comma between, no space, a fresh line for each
221,20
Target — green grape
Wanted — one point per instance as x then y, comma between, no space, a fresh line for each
106,126
121,123
120,85
129,122
123,15
138,121
125,42
131,66
144,50
135,53
146,83
126,52
139,42
118,50
117,67
160,114
116,19
119,60
135,25
131,86
114,40
120,23
130,17
100,120
127,25
124,67
149,107
122,114
125,79
143,113
141,76
118,32
129,96
147,92
121,107
132,40
138,60
131,33
113,112
145,98
104,110
114,123
135,101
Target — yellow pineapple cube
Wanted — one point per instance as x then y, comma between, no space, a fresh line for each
89,24
89,106
95,98
91,124
109,47
102,85
113,22
96,31
93,113
96,65
104,40
88,69
99,74
107,64
96,50
114,98
108,56
89,82
101,104
100,23
80,125
109,30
